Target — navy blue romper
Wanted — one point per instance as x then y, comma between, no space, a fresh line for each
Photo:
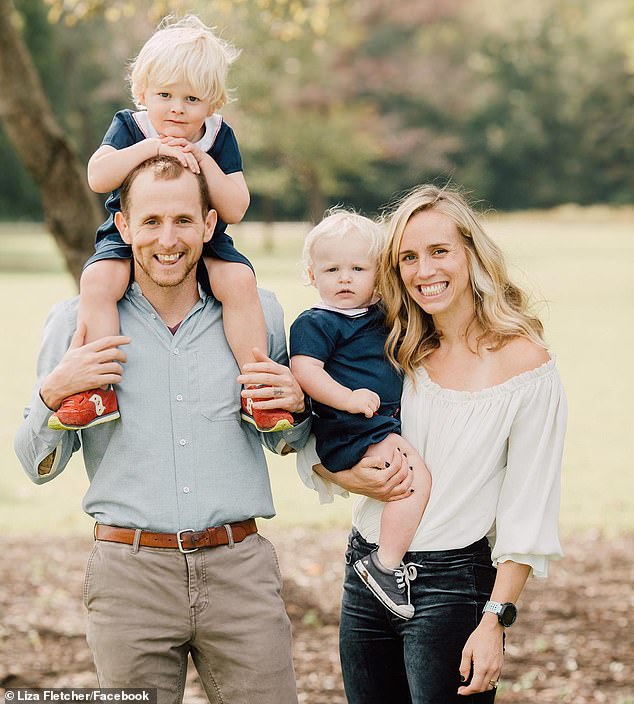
129,128
352,349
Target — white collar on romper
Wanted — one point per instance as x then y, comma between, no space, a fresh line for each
212,127
350,312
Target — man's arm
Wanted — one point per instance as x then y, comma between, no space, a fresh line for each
272,371
278,384
65,366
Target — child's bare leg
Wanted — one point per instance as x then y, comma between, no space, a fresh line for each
234,285
102,284
400,519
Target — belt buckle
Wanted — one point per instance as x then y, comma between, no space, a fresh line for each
179,540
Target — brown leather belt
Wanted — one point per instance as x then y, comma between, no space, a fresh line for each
187,540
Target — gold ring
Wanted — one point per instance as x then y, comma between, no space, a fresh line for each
494,684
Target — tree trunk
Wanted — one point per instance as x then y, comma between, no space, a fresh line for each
316,198
71,210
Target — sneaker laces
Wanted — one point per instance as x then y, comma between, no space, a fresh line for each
404,575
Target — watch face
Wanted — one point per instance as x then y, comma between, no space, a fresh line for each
508,614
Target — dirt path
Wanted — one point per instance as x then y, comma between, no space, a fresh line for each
573,642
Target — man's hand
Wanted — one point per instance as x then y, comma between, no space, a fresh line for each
276,382
84,366
375,477
363,401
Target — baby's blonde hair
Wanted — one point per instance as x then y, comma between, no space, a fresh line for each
340,222
188,50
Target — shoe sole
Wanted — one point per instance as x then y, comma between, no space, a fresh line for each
376,590
54,423
280,425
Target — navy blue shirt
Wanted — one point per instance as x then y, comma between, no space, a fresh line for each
125,131
352,349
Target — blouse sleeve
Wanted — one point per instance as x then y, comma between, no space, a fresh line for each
306,458
528,507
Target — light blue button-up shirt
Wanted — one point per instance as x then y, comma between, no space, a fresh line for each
180,457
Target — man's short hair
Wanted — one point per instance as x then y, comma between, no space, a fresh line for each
166,168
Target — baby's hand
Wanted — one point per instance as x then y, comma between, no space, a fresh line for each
363,401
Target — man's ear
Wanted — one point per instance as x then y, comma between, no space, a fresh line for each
122,226
210,224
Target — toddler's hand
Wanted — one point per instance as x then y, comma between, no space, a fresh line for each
186,158
363,401
187,147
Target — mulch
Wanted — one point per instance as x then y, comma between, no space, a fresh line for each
573,642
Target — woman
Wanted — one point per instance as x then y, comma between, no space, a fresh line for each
484,406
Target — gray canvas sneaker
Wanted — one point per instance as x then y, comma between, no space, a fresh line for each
390,587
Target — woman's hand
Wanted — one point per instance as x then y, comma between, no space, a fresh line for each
483,652
483,656
374,477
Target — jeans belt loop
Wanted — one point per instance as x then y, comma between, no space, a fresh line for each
229,530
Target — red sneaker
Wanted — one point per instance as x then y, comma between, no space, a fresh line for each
85,409
266,420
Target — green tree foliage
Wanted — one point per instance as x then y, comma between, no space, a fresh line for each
552,118
527,104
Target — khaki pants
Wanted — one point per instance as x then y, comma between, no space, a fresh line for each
147,610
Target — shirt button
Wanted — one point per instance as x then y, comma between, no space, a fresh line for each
179,397
182,441
185,490
154,316
176,350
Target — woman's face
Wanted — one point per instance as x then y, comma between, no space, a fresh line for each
433,264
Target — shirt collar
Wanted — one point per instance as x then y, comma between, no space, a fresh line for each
350,312
212,127
135,295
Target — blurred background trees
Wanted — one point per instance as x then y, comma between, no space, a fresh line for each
352,101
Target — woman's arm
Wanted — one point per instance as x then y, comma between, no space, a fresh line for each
320,386
483,651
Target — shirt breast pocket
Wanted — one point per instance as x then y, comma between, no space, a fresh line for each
219,392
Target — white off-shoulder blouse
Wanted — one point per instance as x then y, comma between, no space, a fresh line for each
495,460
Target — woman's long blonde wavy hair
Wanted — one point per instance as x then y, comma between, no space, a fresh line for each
501,308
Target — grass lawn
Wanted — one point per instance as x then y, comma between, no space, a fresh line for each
578,262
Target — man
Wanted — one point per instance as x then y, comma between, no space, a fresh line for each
178,567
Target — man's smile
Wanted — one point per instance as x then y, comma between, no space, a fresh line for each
168,258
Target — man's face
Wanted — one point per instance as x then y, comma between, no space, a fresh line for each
166,228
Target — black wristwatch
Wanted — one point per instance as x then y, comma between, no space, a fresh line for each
506,613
